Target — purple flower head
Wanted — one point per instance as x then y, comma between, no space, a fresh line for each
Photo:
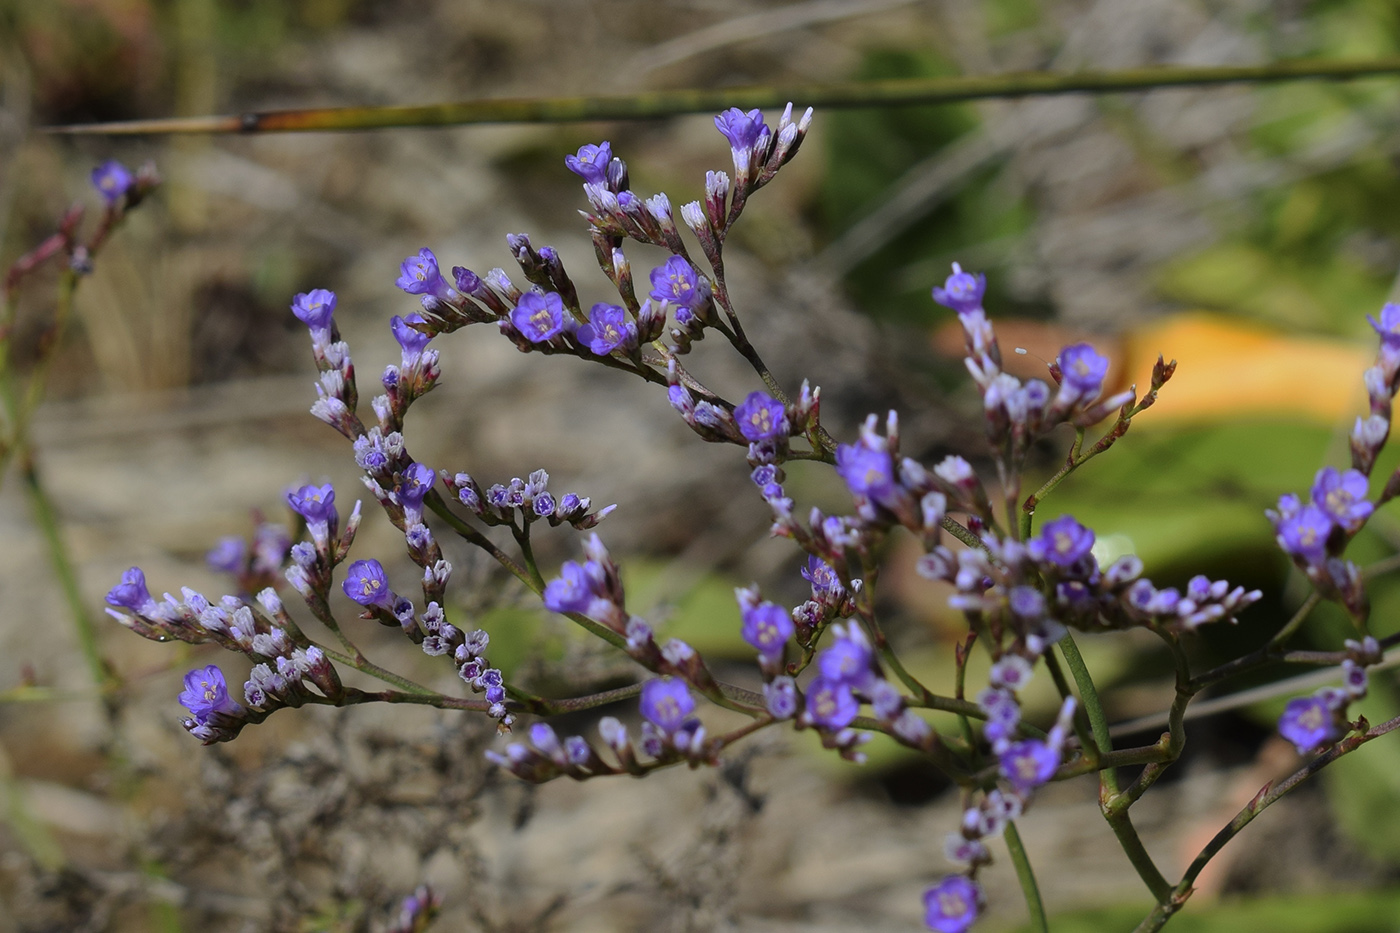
419,275
831,704
1343,496
780,697
951,905
206,693
316,504
112,180
1083,369
825,583
1003,715
591,163
868,472
1304,534
1063,542
676,281
962,291
411,341
1026,602
848,659
538,317
743,130
572,591
1309,723
131,593
1388,327
367,584
413,485
314,308
767,627
761,417
666,702
229,555
1028,764
606,330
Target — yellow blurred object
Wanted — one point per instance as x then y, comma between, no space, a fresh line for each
1227,368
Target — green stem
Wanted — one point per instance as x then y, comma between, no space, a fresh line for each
1026,877
1093,708
656,104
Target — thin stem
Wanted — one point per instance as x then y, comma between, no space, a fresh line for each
1269,652
658,104
1026,877
365,666
1093,708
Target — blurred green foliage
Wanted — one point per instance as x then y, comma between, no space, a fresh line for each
1333,912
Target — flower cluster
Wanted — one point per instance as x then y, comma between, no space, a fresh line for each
522,501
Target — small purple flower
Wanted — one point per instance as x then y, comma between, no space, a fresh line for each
666,702
413,486
607,329
676,281
1343,496
419,275
868,472
316,504
780,697
131,593
206,693
848,660
591,163
1003,715
411,341
1305,533
112,180
314,308
1083,369
229,555
1388,327
367,584
962,291
539,317
1028,764
1063,542
1026,602
761,418
767,626
571,591
743,130
826,585
1309,723
831,704
951,905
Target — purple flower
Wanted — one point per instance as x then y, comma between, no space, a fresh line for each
868,472
826,585
677,282
780,697
607,329
591,163
743,130
411,341
666,702
229,554
848,659
1063,542
112,180
1309,723
767,626
131,593
316,504
419,275
1003,715
1083,369
413,486
1028,764
571,591
314,308
538,317
951,905
831,704
367,584
1343,496
206,693
1304,534
1026,602
761,418
962,291
1388,327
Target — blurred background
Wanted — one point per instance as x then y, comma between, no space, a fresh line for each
1244,231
